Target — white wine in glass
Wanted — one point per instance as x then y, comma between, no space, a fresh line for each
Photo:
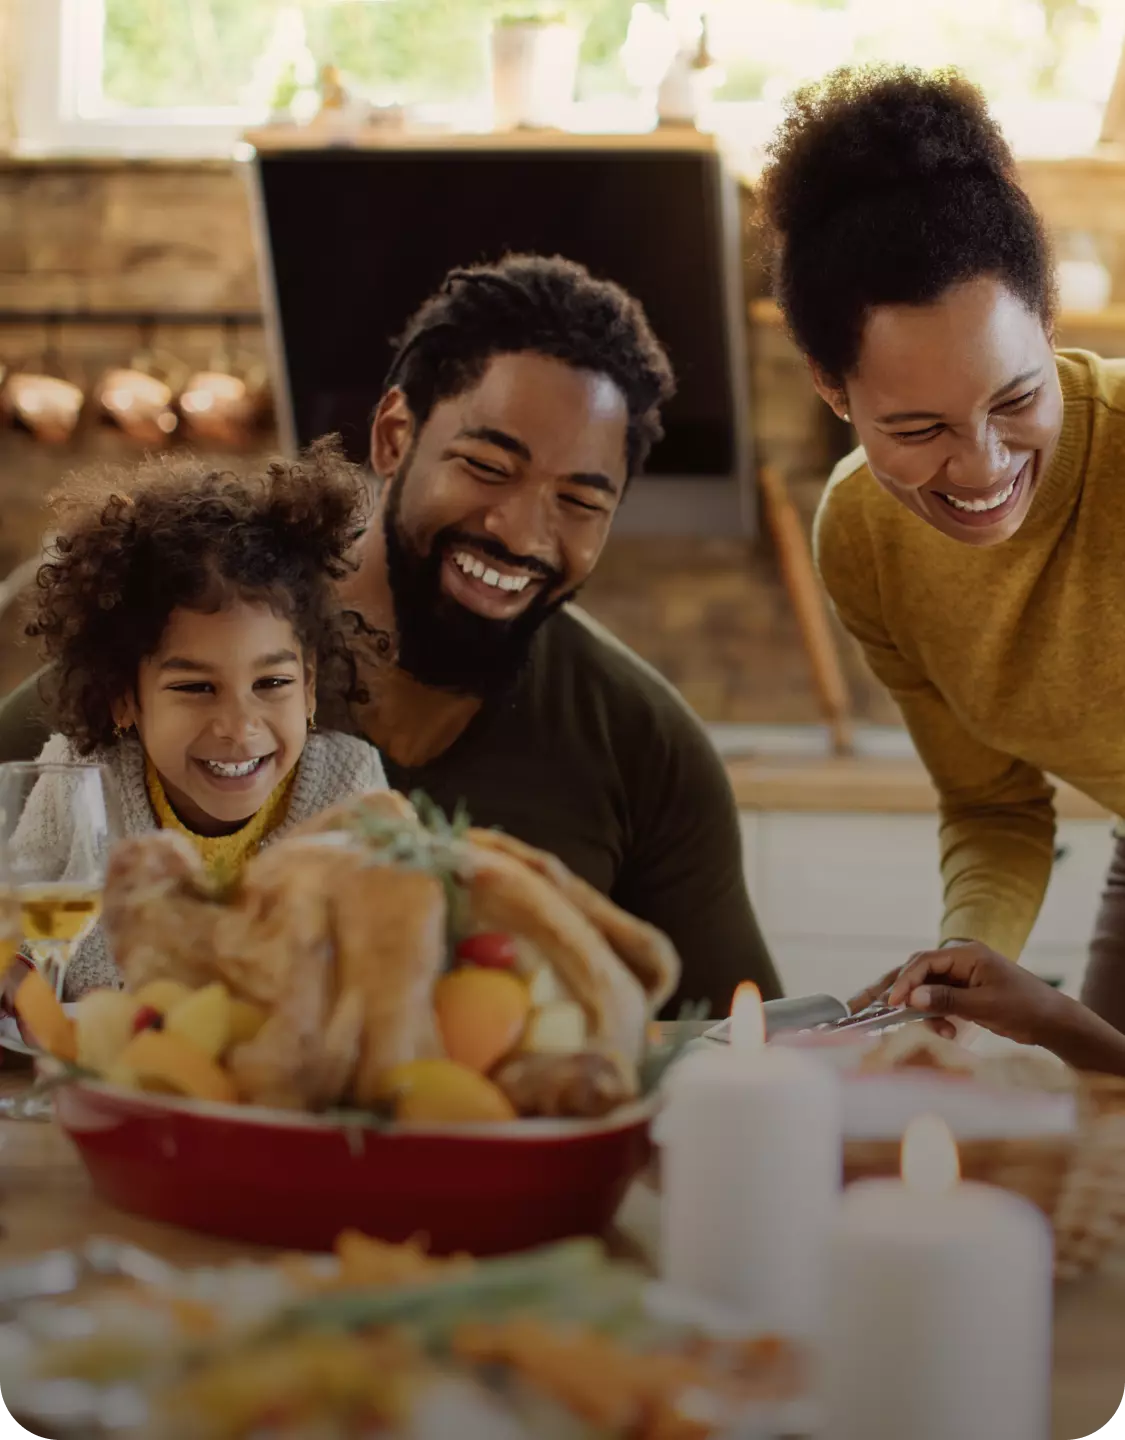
58,824
58,912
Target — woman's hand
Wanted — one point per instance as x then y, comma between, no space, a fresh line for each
880,991
953,1024
970,982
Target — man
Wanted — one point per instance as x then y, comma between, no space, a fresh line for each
522,399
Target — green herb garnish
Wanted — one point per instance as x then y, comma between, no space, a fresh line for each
572,1280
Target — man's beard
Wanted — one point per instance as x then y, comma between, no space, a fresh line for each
440,642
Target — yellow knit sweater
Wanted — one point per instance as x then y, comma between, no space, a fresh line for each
223,855
1008,663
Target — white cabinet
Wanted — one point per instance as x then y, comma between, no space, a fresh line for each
842,898
848,875
839,966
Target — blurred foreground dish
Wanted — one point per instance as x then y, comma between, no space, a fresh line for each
385,1340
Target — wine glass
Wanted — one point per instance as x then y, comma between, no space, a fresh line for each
58,824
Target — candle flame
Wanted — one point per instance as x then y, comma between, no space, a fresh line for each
930,1163
747,1018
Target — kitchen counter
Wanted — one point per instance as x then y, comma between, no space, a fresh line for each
858,785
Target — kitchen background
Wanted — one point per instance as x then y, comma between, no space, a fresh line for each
118,198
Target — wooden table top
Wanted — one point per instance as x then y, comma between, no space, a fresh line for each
857,785
46,1203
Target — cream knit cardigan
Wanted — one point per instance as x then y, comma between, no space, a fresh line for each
332,767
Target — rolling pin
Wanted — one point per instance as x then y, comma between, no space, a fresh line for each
807,600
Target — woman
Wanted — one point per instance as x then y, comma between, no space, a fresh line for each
975,545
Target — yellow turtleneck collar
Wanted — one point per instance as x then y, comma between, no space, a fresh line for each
223,854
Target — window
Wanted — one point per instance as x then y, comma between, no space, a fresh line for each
188,75
166,53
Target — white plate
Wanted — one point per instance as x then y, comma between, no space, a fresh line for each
10,1037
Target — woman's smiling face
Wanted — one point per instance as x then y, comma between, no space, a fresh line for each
958,407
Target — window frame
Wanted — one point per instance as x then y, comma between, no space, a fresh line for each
59,110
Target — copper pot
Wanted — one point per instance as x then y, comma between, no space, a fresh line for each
224,404
39,398
138,398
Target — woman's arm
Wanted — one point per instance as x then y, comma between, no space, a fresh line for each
997,822
972,982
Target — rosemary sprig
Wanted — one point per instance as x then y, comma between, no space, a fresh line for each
434,819
570,1278
434,846
430,845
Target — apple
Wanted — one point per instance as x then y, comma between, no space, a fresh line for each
558,1028
204,1019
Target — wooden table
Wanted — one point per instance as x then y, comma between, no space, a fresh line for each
46,1203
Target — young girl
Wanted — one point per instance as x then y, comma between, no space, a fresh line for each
190,619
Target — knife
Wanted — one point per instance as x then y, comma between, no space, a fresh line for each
823,1012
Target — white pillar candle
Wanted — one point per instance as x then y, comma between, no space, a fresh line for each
938,1316
751,1167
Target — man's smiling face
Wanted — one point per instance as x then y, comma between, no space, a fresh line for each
497,511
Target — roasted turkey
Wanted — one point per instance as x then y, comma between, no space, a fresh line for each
342,930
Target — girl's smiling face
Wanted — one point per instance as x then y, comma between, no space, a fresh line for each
222,709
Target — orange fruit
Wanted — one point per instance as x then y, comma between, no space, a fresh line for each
442,1092
46,1021
481,1015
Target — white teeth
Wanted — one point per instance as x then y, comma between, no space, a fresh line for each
470,565
977,507
233,769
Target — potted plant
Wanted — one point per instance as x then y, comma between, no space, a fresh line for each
534,67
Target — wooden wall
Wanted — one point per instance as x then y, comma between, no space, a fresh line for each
710,613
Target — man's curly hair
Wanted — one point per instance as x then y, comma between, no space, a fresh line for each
546,306
131,546
886,186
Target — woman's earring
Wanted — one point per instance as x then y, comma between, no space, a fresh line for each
312,721
846,417
119,732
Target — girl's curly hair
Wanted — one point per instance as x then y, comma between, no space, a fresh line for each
133,545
